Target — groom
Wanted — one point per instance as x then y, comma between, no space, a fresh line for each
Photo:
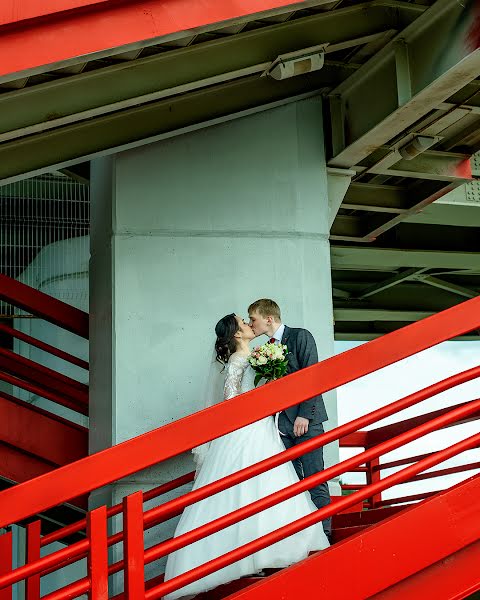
304,421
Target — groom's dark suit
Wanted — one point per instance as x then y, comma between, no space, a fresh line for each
302,352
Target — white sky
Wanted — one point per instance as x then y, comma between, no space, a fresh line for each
399,380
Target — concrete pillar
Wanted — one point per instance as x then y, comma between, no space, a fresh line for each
185,231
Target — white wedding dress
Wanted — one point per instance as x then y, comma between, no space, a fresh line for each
229,454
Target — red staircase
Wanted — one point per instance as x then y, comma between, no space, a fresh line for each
34,441
409,547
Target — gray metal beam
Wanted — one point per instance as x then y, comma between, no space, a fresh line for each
422,195
435,74
457,215
109,89
449,287
431,164
379,314
388,259
376,198
404,275
142,125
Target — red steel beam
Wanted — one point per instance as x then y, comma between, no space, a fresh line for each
452,578
15,11
18,466
357,439
40,433
376,436
92,27
42,305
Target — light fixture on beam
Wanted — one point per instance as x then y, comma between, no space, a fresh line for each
296,63
417,145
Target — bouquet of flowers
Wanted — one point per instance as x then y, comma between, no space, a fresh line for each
269,361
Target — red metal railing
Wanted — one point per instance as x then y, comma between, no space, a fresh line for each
52,441
373,468
32,376
120,461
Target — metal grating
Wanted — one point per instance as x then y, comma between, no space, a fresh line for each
44,227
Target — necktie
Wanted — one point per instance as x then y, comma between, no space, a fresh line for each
272,340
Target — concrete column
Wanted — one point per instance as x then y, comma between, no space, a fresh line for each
185,231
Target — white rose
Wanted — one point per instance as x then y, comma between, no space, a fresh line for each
262,360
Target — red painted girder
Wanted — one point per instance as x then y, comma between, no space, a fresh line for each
453,578
390,552
379,435
40,433
14,11
42,305
165,442
358,439
99,26
18,466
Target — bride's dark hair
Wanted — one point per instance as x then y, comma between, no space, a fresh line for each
225,344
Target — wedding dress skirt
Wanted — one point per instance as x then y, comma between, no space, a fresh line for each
227,455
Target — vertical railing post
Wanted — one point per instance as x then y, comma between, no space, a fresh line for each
6,556
133,546
98,553
373,476
32,584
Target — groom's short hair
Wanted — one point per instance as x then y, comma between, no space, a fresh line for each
266,308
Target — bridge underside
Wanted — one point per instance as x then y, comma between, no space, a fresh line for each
402,110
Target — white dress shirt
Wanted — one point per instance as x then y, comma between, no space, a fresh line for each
278,335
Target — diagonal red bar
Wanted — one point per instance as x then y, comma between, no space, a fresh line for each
97,26
42,305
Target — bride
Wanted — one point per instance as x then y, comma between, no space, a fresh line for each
229,454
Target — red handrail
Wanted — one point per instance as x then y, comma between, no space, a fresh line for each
83,585
41,305
304,522
117,509
173,507
337,433
142,452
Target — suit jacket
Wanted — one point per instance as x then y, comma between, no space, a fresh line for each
302,352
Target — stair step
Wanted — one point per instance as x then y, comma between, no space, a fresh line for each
366,517
344,532
224,591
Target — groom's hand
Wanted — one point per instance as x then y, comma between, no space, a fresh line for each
300,427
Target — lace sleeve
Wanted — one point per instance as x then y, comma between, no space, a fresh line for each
233,379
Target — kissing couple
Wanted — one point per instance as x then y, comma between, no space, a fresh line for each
247,446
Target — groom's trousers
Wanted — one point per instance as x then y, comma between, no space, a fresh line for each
308,464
